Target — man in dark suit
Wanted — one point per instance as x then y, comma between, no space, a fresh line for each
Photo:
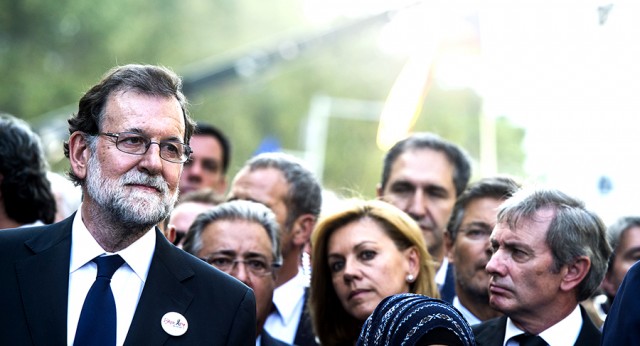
423,175
549,253
286,186
126,150
467,239
242,238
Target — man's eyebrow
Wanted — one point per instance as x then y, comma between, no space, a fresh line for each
254,255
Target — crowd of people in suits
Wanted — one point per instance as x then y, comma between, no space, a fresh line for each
164,249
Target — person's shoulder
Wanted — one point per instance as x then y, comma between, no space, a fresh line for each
13,239
493,328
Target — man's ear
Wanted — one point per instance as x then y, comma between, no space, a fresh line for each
79,154
170,233
302,228
607,285
576,272
379,191
448,246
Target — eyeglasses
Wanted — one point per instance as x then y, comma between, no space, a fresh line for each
255,266
137,144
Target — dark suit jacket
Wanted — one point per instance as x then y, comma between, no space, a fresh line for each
448,289
34,276
268,340
621,325
304,333
491,332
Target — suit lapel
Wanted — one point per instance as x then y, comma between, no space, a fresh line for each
44,283
589,333
163,292
490,332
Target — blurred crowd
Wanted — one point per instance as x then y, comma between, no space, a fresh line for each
147,240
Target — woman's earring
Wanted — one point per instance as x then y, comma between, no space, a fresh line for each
410,278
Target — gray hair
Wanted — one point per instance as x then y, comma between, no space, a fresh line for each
455,154
493,187
574,231
235,210
304,195
617,230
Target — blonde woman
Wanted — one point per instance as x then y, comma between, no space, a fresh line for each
361,254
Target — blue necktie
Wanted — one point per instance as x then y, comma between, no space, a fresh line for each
97,324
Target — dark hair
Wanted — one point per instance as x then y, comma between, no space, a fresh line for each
304,195
573,231
26,191
494,187
146,79
203,129
456,155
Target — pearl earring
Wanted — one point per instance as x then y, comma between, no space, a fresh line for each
410,278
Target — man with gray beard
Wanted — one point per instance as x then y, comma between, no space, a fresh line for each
106,275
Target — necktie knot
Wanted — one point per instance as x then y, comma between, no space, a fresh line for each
107,265
527,339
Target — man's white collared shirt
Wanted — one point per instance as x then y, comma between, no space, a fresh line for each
441,274
563,333
468,315
289,302
127,282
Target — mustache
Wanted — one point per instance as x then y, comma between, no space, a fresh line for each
139,178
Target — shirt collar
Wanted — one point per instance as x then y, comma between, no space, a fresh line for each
564,332
468,315
288,295
441,274
84,248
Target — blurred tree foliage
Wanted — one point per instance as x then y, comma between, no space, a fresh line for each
52,51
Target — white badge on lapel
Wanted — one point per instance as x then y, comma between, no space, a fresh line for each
174,324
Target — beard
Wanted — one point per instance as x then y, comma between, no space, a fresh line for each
133,208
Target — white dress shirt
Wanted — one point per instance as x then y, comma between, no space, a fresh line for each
441,274
468,315
127,282
289,302
563,333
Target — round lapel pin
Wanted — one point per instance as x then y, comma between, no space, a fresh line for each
174,324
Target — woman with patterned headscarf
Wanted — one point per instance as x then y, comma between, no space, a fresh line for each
415,320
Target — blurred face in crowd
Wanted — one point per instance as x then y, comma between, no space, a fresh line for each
627,253
470,252
183,215
226,243
521,278
204,169
269,187
421,184
366,266
136,189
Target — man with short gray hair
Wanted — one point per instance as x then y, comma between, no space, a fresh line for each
242,239
549,253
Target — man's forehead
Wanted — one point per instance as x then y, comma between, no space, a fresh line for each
128,111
